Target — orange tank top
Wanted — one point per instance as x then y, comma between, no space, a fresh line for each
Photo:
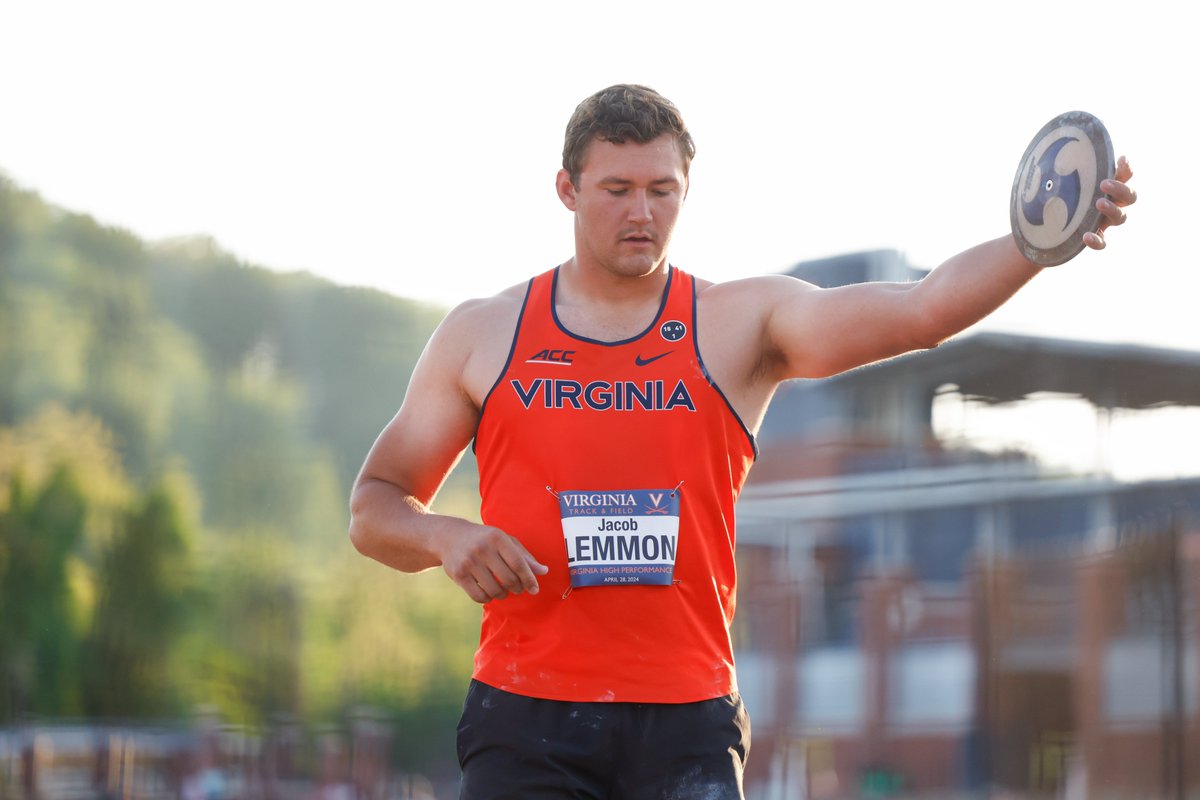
616,464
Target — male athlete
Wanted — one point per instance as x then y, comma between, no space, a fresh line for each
612,402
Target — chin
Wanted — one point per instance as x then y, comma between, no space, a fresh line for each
639,267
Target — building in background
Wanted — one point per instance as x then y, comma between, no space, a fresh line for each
923,612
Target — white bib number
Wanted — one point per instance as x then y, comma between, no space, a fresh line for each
626,537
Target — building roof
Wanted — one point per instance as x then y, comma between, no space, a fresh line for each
899,490
1005,367
860,267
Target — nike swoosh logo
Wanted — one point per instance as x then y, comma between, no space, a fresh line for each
641,362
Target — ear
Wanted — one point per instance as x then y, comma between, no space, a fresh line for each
566,189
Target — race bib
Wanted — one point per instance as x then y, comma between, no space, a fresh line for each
620,538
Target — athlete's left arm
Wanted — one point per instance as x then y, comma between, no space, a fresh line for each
810,332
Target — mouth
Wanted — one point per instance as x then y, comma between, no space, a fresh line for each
639,239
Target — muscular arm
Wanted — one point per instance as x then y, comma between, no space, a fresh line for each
390,517
812,332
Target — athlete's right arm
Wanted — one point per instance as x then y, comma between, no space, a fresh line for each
390,518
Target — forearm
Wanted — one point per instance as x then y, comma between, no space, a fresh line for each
395,528
970,286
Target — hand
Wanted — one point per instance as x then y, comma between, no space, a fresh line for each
488,564
1116,188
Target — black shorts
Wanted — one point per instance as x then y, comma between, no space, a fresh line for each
524,748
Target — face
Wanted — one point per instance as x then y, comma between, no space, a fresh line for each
628,198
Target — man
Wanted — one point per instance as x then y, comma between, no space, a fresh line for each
612,403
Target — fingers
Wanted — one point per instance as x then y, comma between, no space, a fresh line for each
1124,171
520,569
1111,207
1113,215
1117,187
492,566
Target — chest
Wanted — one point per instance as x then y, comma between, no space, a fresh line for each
712,339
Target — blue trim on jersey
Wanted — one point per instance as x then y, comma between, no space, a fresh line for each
709,378
657,315
512,348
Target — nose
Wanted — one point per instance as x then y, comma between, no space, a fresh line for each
639,207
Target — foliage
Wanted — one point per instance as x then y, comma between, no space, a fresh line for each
143,580
403,644
39,531
178,435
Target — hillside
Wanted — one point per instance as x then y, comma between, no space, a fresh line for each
178,435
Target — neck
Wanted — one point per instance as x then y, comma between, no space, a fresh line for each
594,283
604,306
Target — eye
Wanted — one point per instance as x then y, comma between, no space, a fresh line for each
617,192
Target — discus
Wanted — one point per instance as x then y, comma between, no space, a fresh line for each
1057,185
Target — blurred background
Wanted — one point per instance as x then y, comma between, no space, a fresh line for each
178,434
226,233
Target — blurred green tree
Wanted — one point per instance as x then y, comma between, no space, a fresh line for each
143,581
123,362
39,531
249,656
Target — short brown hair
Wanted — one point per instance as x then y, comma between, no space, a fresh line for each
620,113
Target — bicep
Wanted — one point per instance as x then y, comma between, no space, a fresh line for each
421,444
814,332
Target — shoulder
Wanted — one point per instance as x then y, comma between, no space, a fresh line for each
755,297
473,320
482,310
472,342
740,321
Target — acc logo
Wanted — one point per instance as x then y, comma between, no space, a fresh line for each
673,331
551,357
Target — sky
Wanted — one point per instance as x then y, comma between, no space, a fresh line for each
412,147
